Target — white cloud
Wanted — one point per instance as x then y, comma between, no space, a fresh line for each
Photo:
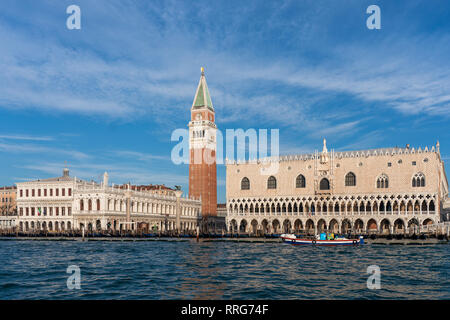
42,150
118,73
117,173
24,137
140,156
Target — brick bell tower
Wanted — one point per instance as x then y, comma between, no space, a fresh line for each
202,148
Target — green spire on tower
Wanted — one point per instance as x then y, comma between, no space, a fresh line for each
202,97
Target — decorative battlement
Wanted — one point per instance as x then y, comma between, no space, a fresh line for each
339,155
99,188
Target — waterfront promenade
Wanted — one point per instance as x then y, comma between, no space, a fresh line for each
418,240
434,234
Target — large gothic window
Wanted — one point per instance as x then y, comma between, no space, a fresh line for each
418,180
324,184
300,181
383,181
271,183
350,179
245,184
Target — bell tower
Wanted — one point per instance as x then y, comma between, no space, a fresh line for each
202,149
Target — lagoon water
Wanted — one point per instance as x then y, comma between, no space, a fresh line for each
220,270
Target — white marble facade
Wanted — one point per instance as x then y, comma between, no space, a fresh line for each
66,203
391,190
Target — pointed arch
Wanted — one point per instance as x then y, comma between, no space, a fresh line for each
309,226
409,207
245,184
321,226
276,225
362,207
389,206
254,226
372,225
271,183
385,226
300,181
287,226
265,226
418,180
383,181
424,207
243,226
350,179
346,226
359,226
324,184
334,226
399,226
298,225
368,207
431,206
382,207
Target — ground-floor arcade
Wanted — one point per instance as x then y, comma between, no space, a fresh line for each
108,223
312,224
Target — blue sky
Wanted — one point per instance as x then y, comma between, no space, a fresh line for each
108,96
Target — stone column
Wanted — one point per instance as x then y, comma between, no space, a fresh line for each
128,213
104,223
178,194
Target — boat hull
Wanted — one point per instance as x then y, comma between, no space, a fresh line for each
311,242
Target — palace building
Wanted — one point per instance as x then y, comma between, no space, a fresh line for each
46,204
146,208
8,205
67,203
389,190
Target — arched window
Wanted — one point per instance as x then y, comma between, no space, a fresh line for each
418,180
98,204
350,179
383,181
245,184
271,183
324,184
431,206
90,205
388,206
81,205
300,182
